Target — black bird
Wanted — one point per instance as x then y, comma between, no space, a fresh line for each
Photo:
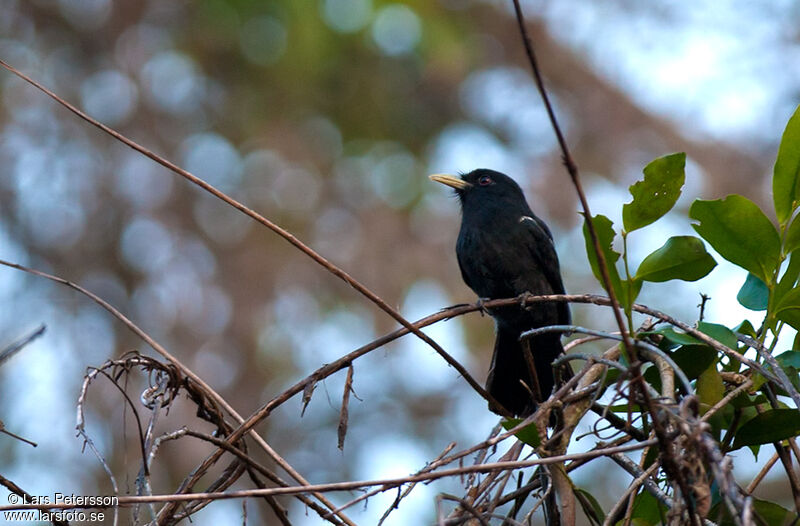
503,251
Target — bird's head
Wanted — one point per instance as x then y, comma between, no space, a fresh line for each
483,188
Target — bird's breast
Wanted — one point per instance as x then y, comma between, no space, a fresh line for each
498,263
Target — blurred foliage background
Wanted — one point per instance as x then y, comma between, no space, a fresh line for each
326,116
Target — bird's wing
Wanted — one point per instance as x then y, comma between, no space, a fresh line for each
540,244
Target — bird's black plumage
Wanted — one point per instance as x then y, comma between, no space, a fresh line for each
503,251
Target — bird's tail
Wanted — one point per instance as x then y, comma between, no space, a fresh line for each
510,370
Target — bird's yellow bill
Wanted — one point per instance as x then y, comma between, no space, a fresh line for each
450,180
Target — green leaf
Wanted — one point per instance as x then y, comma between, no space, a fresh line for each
766,428
786,284
624,408
631,288
745,400
774,514
785,187
758,381
648,508
740,232
710,388
754,294
721,333
692,359
747,329
651,456
637,522
681,257
749,412
603,227
792,241
528,434
788,308
657,193
766,513
789,278
721,421
790,363
674,338
591,508
789,359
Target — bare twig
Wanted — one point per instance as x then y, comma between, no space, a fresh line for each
482,489
405,492
726,400
15,347
703,300
638,473
345,413
16,436
761,474
81,425
466,505
643,478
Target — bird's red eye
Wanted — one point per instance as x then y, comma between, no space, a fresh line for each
485,180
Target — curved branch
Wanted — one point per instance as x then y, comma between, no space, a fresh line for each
285,234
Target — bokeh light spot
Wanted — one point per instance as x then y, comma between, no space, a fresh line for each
146,245
463,147
396,30
86,14
173,82
142,182
395,179
337,234
430,371
53,222
109,96
139,43
217,363
346,16
211,314
155,307
222,223
506,98
212,158
263,40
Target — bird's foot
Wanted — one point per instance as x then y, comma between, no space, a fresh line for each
523,300
481,308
